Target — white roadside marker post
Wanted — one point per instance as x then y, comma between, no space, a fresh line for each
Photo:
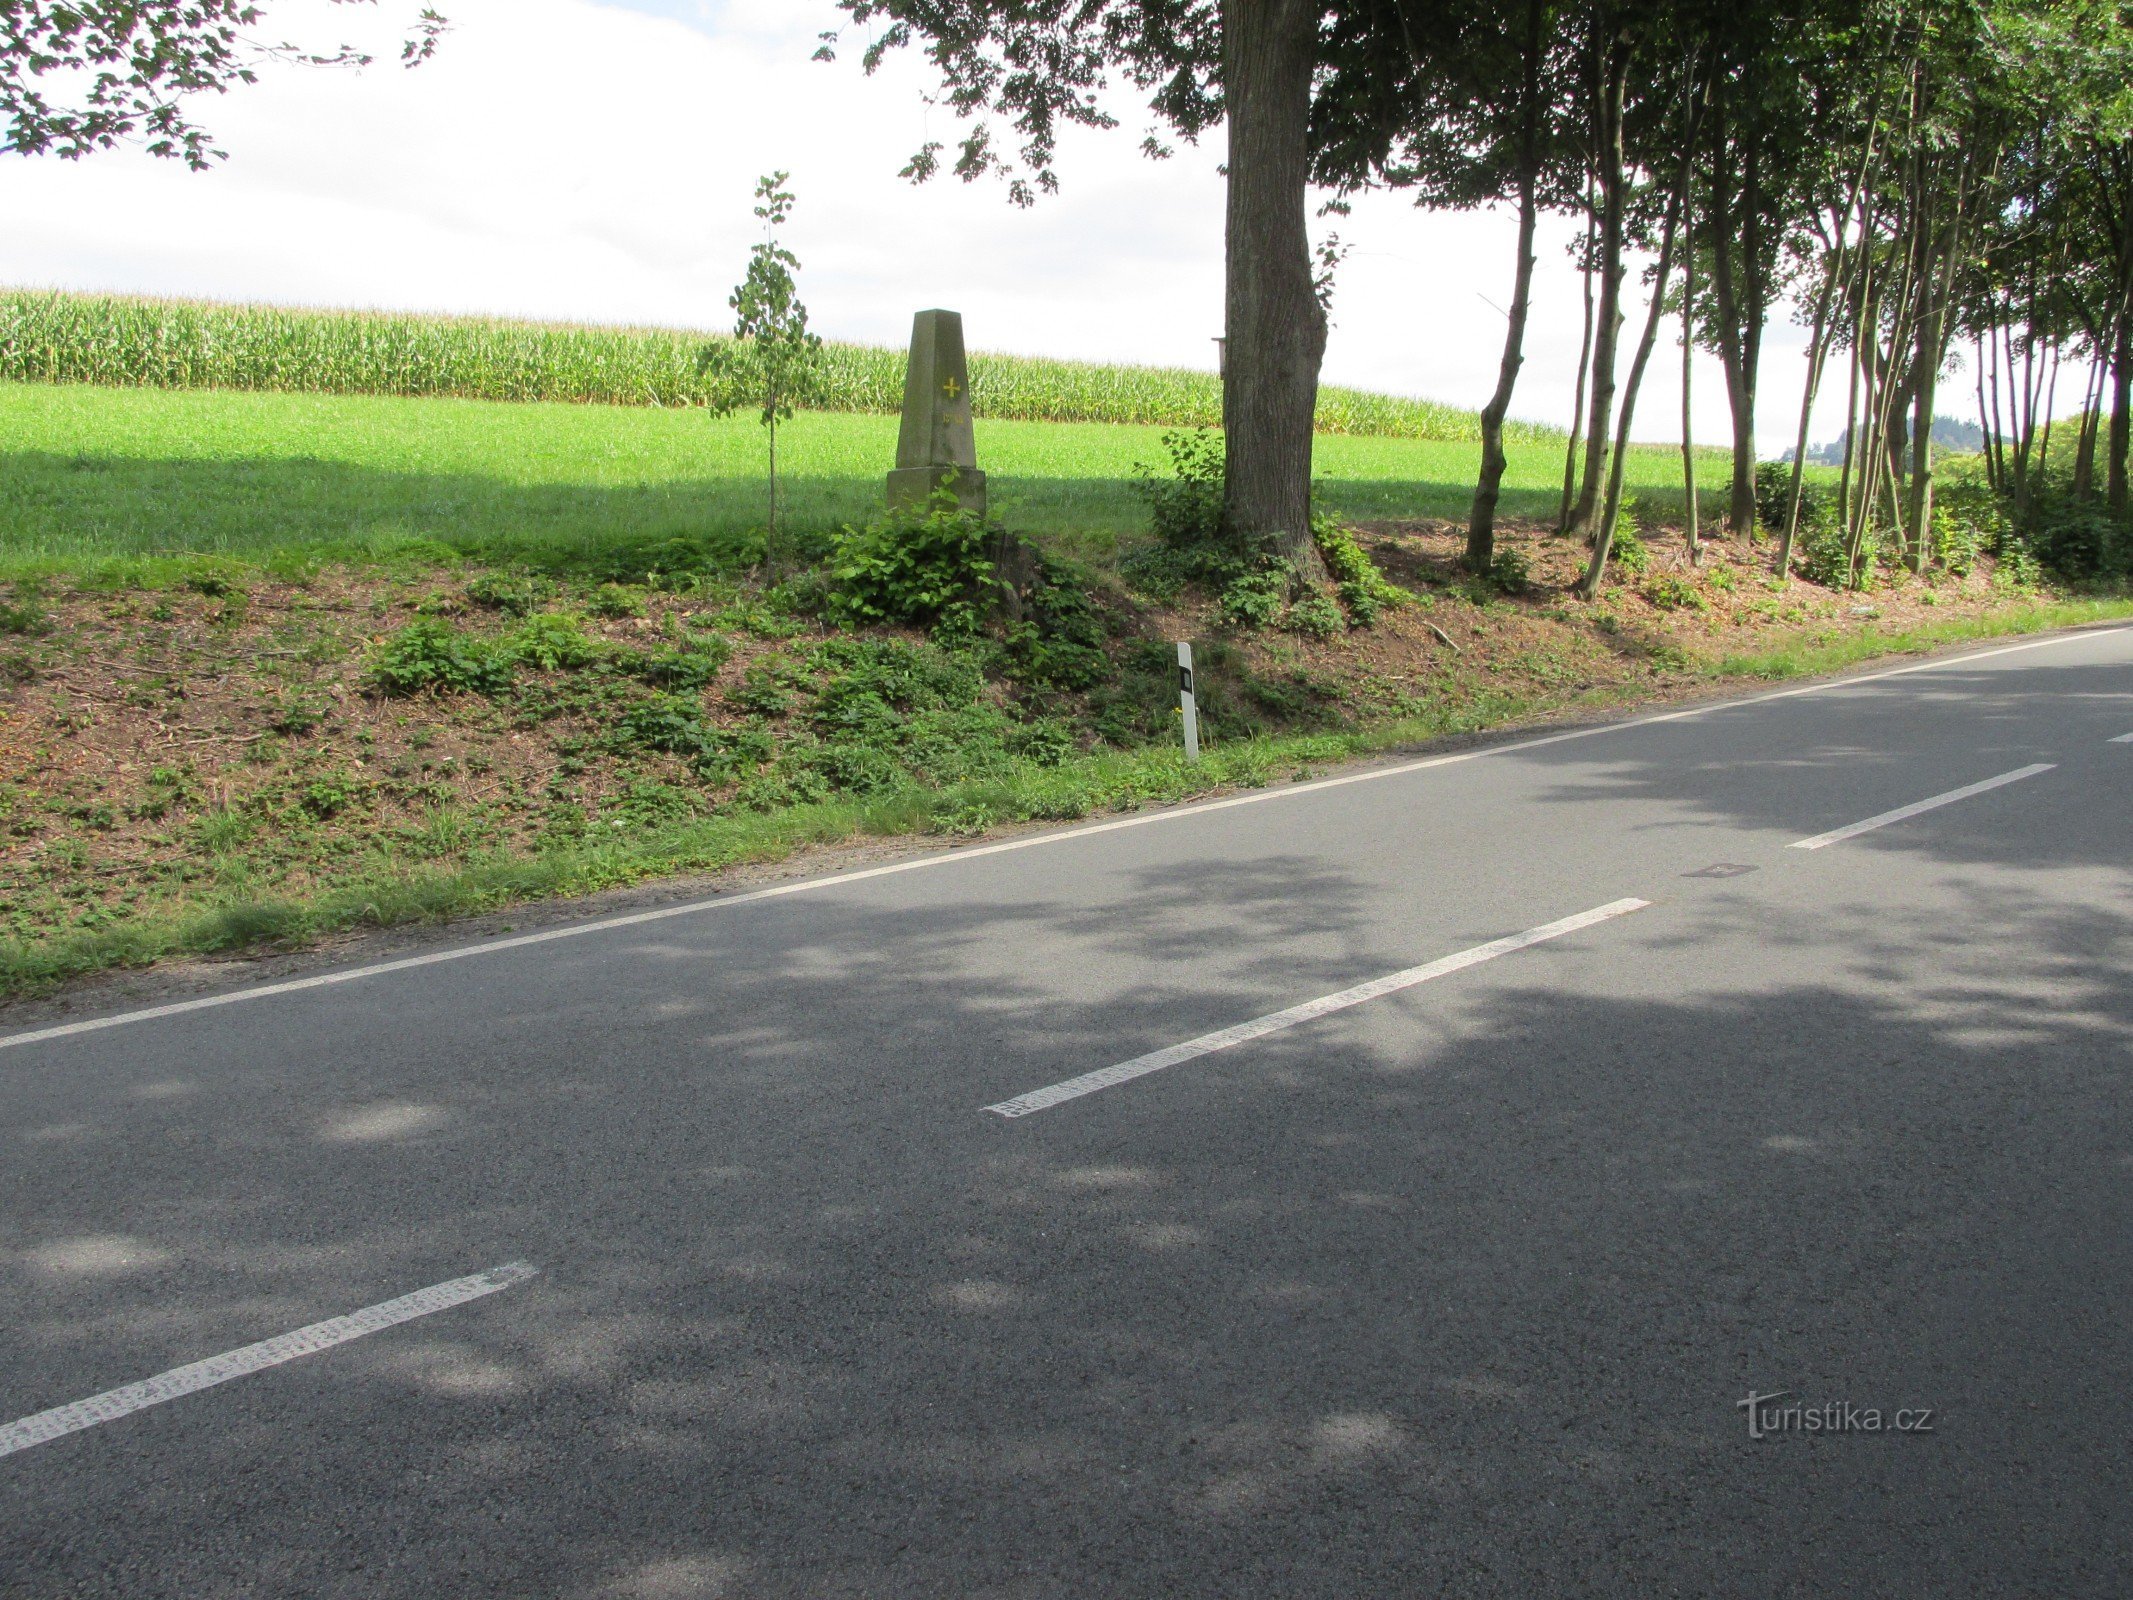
1185,702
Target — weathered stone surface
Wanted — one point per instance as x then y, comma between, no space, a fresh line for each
937,448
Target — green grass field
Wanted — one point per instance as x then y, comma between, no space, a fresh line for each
88,472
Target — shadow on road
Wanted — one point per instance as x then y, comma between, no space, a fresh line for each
1450,1296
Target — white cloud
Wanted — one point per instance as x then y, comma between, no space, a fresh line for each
587,160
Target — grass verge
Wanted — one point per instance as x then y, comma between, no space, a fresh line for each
374,894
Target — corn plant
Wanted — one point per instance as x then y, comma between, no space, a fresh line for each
129,342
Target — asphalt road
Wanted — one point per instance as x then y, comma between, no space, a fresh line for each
1457,1288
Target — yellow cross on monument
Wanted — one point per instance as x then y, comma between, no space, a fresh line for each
951,388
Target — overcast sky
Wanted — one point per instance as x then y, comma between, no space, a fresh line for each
594,159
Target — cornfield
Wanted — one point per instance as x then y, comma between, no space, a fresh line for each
131,342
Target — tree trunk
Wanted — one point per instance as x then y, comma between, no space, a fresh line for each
770,538
1733,357
1611,510
1737,296
1275,324
1690,518
1577,403
2051,399
1607,331
1817,353
1689,507
2121,414
2085,440
1481,519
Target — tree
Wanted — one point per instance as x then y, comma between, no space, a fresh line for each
1690,97
1475,117
774,362
1764,155
1248,64
77,76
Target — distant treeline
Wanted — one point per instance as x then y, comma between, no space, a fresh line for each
1951,436
131,342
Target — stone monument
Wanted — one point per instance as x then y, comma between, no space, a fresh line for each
937,449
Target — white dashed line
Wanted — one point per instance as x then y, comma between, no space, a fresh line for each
1852,831
2123,738
115,1403
1208,1043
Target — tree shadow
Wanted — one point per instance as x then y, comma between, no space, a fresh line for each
72,507
1874,747
1454,1292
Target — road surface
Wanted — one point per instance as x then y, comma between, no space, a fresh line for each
1392,1185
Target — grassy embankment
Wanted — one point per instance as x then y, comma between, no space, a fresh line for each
205,598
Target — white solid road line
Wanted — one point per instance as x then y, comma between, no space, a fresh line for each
1244,1032
1029,842
115,1403
1853,830
2123,738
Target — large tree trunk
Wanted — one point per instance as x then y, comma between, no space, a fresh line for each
1607,332
1739,297
1733,357
1755,315
1276,326
1481,518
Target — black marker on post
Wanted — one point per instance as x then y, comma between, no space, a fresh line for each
1185,702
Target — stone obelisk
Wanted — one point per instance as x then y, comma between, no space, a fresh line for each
937,449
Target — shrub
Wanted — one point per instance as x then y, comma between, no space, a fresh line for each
1773,493
218,580
761,692
671,724
648,803
25,617
1955,541
1187,507
514,594
617,600
297,714
1509,572
2077,540
1044,742
2015,571
329,795
552,641
1823,552
1364,590
840,767
1629,552
1315,616
1060,643
688,666
1256,598
927,567
432,654
1672,593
